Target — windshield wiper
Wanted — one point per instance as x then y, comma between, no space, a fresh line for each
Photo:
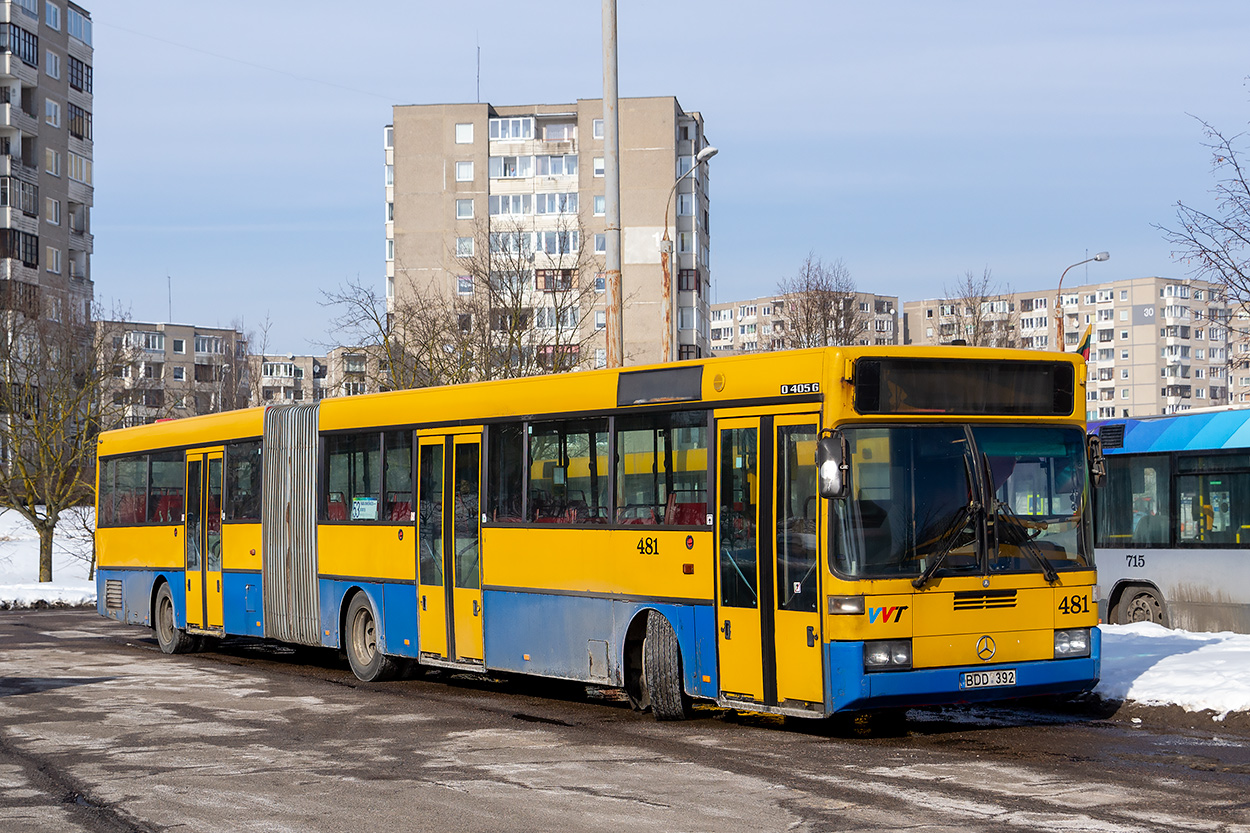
950,535
1003,509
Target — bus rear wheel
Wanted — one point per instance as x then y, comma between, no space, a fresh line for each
1140,604
368,663
661,671
171,638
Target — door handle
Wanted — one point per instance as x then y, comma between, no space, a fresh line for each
423,602
476,607
725,629
188,584
811,636
218,585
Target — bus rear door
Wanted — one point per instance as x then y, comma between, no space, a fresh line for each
768,575
202,540
449,571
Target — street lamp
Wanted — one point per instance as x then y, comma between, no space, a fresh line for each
1100,257
666,249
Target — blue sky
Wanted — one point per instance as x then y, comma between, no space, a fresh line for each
238,146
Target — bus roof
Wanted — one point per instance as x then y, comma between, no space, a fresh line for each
1179,432
197,430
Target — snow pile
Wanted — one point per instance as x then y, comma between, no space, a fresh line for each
1154,666
71,562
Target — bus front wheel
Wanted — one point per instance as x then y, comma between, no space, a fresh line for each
661,670
368,663
171,638
1140,604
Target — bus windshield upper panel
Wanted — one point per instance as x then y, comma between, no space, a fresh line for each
984,499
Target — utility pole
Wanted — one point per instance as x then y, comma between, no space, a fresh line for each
612,190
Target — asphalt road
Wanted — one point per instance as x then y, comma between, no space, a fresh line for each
101,732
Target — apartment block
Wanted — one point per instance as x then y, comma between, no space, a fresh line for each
528,180
287,380
1159,345
766,323
45,158
174,370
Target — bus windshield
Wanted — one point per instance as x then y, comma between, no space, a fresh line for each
977,499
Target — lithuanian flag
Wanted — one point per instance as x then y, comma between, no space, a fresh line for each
1083,347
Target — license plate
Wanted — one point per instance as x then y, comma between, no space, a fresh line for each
987,679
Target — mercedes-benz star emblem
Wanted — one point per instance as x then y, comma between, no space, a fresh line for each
986,648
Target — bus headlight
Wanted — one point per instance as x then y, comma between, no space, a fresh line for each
1072,643
887,655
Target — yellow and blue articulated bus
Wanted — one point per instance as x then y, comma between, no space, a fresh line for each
804,533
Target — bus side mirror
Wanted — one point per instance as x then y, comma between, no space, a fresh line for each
1097,462
831,454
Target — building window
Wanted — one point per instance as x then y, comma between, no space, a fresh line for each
464,209
52,15
557,165
601,282
390,212
556,203
79,168
601,319
51,64
507,205
510,167
52,211
21,43
388,136
79,75
601,243
513,129
464,133
598,166
464,285
601,205
559,132
390,175
79,122
601,359
52,112
390,249
685,205
20,246
54,260
78,25
464,172
596,128
180,373
685,242
464,247
14,193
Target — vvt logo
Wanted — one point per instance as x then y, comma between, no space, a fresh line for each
884,613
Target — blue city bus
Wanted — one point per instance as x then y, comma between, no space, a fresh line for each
1173,521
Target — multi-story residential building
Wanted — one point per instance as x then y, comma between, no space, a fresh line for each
528,180
1159,345
45,158
766,323
287,380
175,370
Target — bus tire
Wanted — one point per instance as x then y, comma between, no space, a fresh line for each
1140,604
661,670
171,638
361,642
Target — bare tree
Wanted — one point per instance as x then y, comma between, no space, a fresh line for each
822,306
406,340
1215,243
980,312
52,405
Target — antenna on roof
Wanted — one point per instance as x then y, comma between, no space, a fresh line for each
169,285
479,68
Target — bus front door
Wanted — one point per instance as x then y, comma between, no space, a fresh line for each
201,533
449,570
768,573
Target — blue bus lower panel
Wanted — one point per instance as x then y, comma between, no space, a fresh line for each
851,689
243,611
137,595
394,605
583,638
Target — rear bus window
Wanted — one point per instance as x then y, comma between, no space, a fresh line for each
168,479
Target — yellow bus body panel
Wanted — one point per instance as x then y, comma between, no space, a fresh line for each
149,547
597,560
367,552
241,546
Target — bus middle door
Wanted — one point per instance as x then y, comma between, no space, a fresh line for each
202,540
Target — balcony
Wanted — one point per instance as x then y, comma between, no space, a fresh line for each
12,115
18,296
82,240
12,66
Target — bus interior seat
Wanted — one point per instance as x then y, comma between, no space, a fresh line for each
336,509
1151,529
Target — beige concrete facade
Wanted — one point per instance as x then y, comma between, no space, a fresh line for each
287,379
1158,345
175,370
456,169
46,194
762,324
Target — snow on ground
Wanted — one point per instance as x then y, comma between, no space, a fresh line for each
71,562
1145,664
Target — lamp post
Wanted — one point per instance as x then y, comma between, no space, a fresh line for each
666,250
1100,257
